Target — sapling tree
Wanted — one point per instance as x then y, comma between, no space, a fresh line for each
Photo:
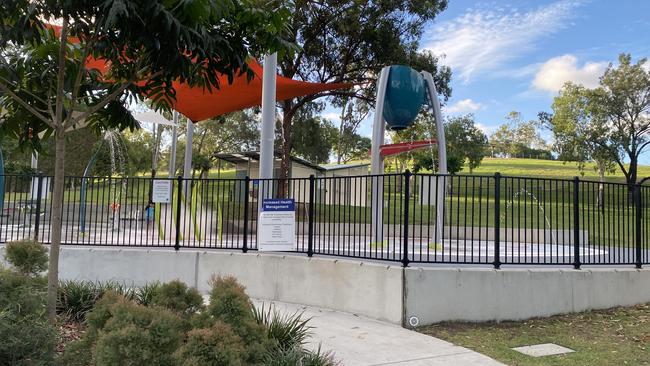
609,124
71,64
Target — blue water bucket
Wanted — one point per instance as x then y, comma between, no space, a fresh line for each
404,97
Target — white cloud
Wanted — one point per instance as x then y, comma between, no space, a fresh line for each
552,75
463,106
486,129
485,39
332,116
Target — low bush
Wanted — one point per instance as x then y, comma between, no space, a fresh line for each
176,329
122,332
27,256
22,295
230,304
214,346
27,339
177,297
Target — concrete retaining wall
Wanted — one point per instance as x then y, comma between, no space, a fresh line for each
437,294
369,289
375,290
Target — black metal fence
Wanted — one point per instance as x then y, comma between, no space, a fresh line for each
463,219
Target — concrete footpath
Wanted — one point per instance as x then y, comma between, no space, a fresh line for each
360,341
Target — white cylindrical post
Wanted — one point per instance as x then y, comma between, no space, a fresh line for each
267,155
377,162
172,152
442,156
187,164
34,163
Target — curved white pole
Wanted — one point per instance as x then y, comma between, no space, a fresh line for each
377,162
442,156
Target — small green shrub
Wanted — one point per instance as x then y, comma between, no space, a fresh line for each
144,295
26,340
121,332
177,297
27,256
288,331
298,356
230,304
214,346
22,295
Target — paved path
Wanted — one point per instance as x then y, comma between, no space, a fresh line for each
359,341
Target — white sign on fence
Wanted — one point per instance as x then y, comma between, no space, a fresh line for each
162,191
276,227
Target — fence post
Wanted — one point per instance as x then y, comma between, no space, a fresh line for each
39,194
179,194
310,233
637,231
246,194
497,220
576,223
407,193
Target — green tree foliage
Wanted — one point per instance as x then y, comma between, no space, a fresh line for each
354,147
518,139
16,159
231,133
573,127
47,87
609,124
465,141
350,41
313,136
348,144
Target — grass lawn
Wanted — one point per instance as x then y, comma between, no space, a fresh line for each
548,169
619,336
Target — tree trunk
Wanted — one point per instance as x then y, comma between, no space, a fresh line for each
631,181
601,188
285,164
57,225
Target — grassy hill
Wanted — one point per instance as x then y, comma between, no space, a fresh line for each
547,169
515,167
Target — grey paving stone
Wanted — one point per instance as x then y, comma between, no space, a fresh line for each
544,349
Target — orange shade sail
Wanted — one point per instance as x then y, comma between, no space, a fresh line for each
198,104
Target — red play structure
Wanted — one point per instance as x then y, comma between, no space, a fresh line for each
402,147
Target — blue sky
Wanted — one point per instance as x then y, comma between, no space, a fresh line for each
515,55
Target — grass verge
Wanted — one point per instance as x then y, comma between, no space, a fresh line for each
619,336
